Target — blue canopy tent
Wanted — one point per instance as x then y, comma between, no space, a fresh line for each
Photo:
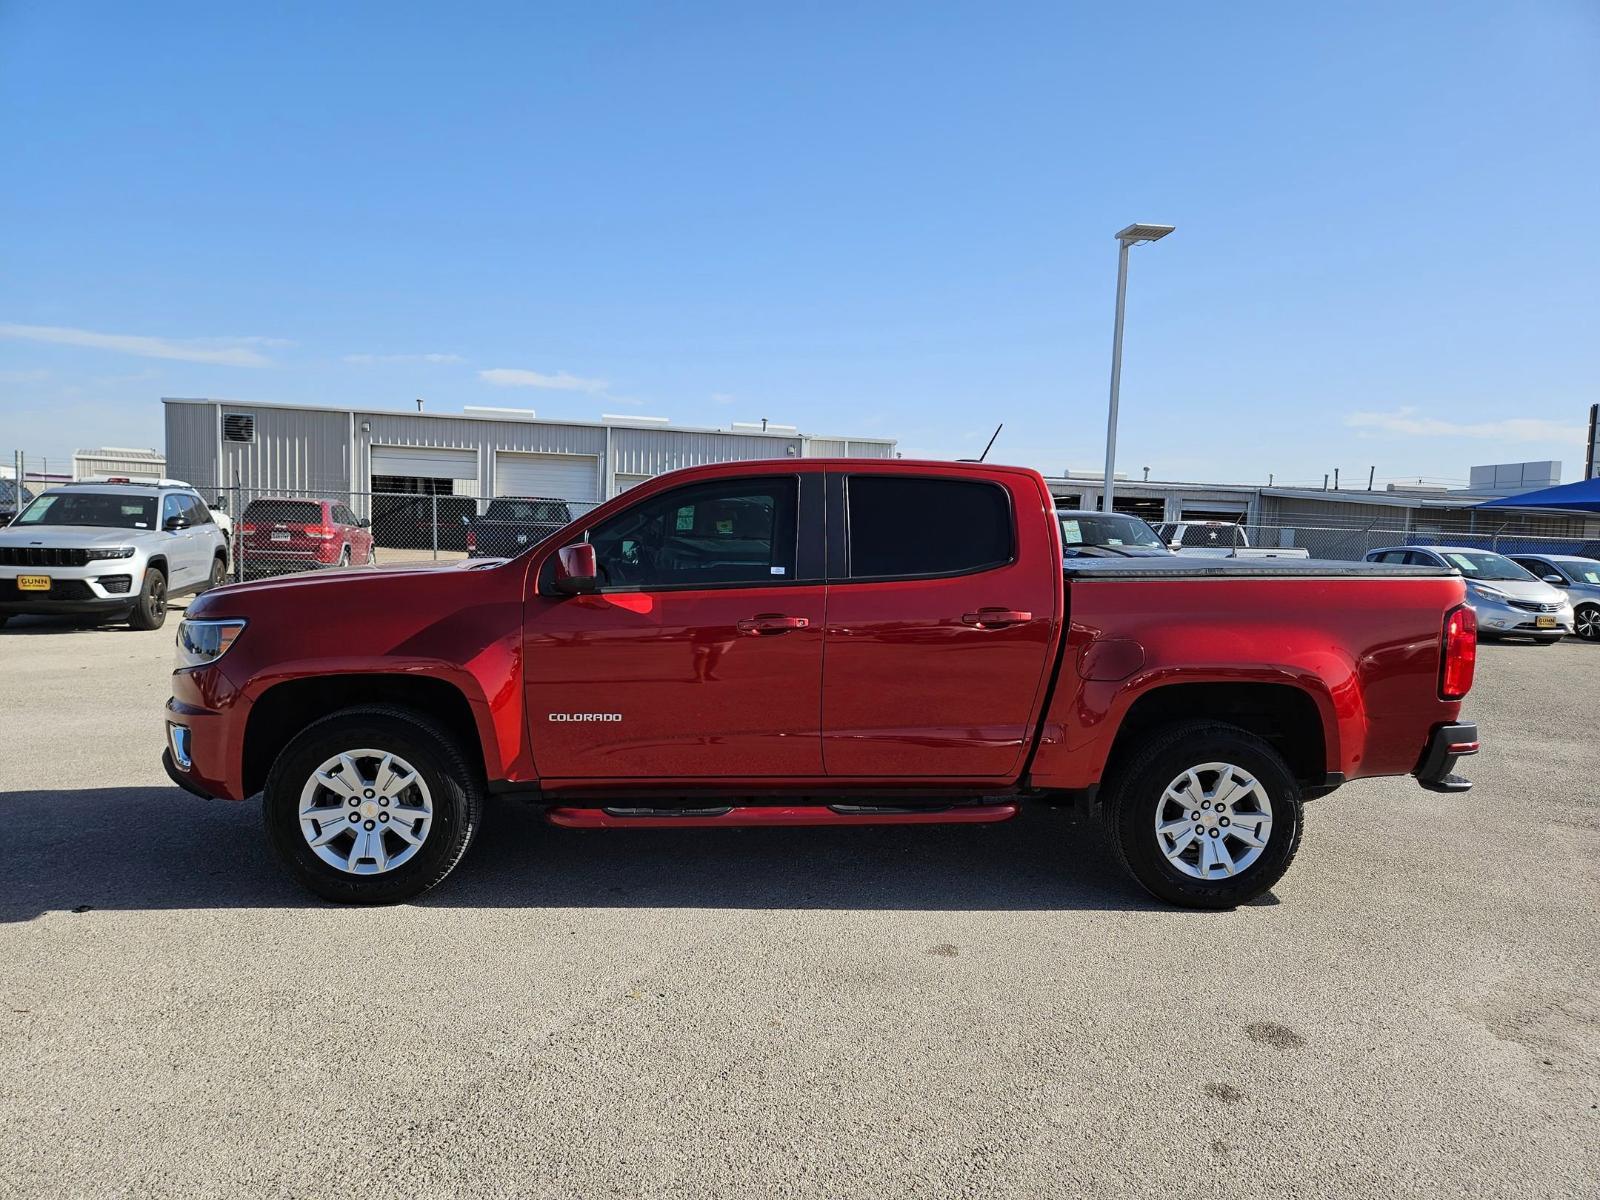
1583,496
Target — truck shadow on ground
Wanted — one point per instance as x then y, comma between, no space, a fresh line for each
158,848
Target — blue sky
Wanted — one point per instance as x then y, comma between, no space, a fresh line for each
885,219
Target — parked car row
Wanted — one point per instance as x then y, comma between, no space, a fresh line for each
1541,596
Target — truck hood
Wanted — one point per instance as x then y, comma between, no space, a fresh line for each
71,537
314,585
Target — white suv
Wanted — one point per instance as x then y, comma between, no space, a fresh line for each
111,550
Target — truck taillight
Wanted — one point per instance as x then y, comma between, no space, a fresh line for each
472,539
1460,653
321,531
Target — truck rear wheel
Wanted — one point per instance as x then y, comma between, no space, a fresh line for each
372,805
1203,815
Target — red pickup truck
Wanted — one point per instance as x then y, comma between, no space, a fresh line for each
824,642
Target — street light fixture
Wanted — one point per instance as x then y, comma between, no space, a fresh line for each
1134,235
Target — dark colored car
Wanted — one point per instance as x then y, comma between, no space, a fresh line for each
1086,533
820,642
509,527
277,535
9,508
420,522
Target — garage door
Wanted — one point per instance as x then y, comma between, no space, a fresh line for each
563,476
424,462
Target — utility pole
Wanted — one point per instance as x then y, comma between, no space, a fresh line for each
1133,235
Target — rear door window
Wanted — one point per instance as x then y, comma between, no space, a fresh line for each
902,526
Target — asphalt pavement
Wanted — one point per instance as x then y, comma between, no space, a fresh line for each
932,1012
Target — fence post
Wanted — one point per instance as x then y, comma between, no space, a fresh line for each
435,498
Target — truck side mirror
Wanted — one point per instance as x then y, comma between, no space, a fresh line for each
577,571
174,523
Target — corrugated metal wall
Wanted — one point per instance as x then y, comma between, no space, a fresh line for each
486,437
847,448
192,443
293,450
652,451
87,466
307,449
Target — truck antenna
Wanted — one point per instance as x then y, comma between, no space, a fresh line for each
992,437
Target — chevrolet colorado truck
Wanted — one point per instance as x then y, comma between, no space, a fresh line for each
824,642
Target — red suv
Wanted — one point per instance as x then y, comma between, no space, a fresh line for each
280,535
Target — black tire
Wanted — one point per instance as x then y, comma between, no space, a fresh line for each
1586,622
1131,800
218,576
455,788
372,554
344,557
4,617
150,612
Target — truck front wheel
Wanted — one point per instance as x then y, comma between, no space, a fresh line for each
1203,814
372,805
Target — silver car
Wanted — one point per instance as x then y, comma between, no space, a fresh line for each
1579,578
110,551
1508,600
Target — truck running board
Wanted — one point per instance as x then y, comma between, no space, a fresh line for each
752,814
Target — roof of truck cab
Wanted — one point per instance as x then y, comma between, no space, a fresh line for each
1089,570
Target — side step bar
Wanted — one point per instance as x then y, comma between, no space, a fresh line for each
750,815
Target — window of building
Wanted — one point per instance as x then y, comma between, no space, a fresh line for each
238,427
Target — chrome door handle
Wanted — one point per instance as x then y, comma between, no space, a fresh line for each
770,623
996,618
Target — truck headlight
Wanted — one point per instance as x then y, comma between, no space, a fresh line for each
202,642
110,552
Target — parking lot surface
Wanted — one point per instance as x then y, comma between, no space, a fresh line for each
956,1011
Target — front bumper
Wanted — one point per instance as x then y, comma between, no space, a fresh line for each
1496,618
75,590
1447,745
203,735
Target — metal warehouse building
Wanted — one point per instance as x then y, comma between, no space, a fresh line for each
290,449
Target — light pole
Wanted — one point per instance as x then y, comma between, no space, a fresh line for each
1133,235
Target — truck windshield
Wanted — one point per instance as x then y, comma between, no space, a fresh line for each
106,509
1484,564
1107,530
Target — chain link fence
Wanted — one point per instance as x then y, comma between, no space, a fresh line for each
279,531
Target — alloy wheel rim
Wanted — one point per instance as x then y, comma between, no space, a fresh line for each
1213,821
158,595
365,812
1588,621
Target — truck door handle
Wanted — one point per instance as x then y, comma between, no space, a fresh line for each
996,618
770,623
